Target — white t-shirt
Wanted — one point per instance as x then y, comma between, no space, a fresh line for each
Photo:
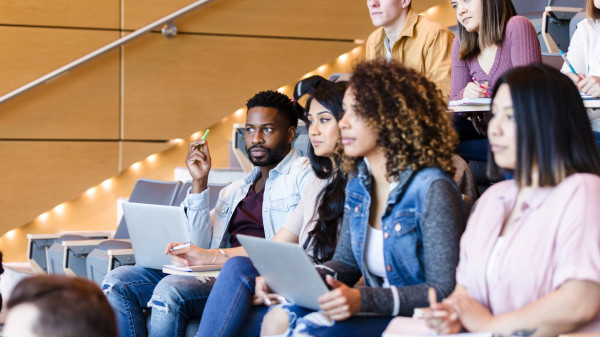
584,56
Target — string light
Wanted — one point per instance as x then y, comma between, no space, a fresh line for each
106,183
307,75
60,208
91,191
10,234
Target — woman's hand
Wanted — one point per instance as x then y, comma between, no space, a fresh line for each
443,318
263,295
575,78
341,302
590,86
472,90
190,256
472,315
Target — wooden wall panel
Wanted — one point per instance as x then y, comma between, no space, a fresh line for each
174,87
36,176
332,19
82,104
133,152
64,13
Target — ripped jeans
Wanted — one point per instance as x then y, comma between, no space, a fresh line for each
173,299
305,322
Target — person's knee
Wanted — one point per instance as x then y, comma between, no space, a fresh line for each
240,268
173,292
275,322
115,280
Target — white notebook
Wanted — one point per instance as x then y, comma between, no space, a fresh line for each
409,327
472,101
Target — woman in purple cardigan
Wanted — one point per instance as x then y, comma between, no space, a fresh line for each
491,40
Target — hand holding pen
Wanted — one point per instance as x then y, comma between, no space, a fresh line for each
573,75
475,89
441,316
482,87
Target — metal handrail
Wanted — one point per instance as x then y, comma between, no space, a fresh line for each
50,76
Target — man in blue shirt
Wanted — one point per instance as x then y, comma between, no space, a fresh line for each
256,205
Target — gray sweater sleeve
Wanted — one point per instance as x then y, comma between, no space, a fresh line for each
343,263
442,226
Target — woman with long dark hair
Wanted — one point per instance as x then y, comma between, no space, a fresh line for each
403,214
314,224
530,258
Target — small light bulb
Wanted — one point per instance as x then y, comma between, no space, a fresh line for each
106,183
136,166
11,233
91,191
60,208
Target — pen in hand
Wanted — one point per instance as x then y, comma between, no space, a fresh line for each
481,86
181,246
203,138
568,63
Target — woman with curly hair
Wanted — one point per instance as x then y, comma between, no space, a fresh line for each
403,215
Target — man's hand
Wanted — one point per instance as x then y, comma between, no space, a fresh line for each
198,163
341,302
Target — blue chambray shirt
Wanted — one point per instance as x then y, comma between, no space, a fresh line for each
283,189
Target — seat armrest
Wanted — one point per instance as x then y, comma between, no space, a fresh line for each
54,236
119,257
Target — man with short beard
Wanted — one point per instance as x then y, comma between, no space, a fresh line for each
256,205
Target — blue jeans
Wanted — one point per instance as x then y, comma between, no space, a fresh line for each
301,323
597,136
173,300
229,310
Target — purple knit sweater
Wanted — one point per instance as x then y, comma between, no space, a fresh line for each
519,48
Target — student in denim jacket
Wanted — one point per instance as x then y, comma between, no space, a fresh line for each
403,215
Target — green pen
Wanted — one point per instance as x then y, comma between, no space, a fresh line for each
203,138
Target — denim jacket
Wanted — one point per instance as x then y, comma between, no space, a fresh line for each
401,223
283,189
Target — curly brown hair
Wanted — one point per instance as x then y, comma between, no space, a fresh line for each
408,112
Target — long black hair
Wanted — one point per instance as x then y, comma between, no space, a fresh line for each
553,129
322,240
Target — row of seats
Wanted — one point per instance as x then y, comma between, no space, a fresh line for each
93,254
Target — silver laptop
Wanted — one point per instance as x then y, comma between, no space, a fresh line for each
286,269
151,228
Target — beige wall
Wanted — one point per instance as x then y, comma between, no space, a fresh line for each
94,122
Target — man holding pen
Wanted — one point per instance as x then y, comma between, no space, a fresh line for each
256,205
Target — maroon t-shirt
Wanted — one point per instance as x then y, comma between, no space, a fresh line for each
247,217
